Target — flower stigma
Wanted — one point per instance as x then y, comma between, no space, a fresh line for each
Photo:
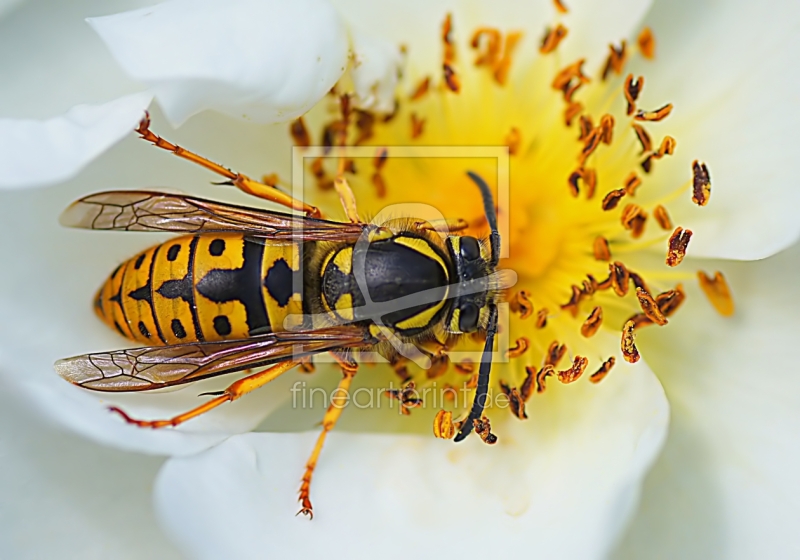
591,235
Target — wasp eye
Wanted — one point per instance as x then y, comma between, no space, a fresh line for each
468,317
470,249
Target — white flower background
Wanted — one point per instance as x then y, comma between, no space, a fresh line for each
723,485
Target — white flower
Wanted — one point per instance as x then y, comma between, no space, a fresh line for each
562,484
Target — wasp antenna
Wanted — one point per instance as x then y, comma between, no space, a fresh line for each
482,390
491,215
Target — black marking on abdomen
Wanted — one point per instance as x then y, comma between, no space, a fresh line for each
143,330
173,252
177,328
138,264
149,298
240,284
222,325
278,282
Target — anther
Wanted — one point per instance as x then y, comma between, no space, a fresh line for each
520,303
491,52
601,250
717,291
443,427
484,429
408,397
552,38
515,400
632,182
555,353
611,200
300,133
606,128
520,347
631,91
574,301
616,59
572,110
541,318
379,184
592,323
633,218
669,301
601,373
451,78
422,88
701,183
620,278
504,64
439,365
647,43
575,371
628,345
560,6
654,116
678,242
644,138
447,40
417,126
662,217
650,307
513,141
365,123
667,147
465,366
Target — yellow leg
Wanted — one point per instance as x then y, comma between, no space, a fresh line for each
337,404
233,392
238,180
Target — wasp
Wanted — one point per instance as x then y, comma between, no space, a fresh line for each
246,289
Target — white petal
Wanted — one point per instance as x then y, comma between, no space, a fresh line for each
560,485
264,61
723,66
726,485
8,5
34,153
376,66
65,497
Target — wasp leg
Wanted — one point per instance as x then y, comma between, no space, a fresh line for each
238,180
345,193
335,409
449,226
233,392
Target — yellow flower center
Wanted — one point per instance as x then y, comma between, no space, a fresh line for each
589,229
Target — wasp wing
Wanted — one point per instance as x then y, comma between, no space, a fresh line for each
141,369
164,212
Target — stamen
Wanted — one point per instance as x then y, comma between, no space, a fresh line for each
592,323
379,184
678,242
601,250
632,90
365,123
616,59
601,373
573,110
669,301
520,347
465,366
422,88
570,79
552,38
619,278
555,353
451,78
573,373
300,133
632,182
644,138
647,43
504,64
513,141
650,307
611,200
560,6
417,126
629,350
407,396
634,218
541,318
443,427
484,429
717,292
491,52
520,303
515,400
606,128
447,40
662,217
439,365
701,183
667,147
654,116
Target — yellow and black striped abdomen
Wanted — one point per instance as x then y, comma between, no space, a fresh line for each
212,286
